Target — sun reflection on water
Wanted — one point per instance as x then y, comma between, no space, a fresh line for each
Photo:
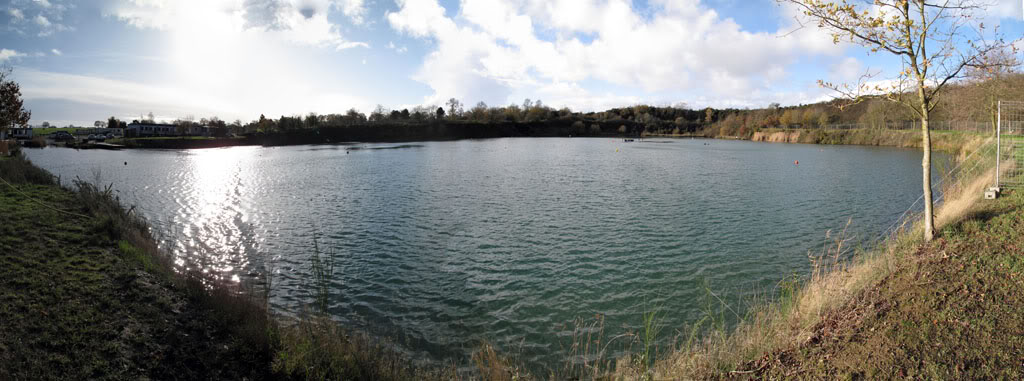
214,219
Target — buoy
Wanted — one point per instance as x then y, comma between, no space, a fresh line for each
126,163
616,150
796,162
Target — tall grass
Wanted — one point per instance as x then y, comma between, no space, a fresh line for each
322,270
17,169
310,346
839,273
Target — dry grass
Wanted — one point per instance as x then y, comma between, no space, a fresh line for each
792,319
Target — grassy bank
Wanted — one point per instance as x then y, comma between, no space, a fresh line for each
86,294
89,295
947,309
949,141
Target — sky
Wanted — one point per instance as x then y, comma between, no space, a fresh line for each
82,61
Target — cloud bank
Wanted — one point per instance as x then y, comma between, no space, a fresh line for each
492,49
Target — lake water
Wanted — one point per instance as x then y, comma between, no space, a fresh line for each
442,245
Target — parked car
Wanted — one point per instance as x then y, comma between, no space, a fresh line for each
90,137
62,136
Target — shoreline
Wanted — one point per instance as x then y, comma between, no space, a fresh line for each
285,356
947,141
85,293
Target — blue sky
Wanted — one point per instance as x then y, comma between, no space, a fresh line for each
81,61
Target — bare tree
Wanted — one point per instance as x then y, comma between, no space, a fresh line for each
454,108
931,38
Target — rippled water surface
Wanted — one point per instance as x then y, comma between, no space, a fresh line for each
445,244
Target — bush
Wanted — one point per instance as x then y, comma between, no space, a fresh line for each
18,170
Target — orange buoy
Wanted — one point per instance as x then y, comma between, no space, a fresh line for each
796,162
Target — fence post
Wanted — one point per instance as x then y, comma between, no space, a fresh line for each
999,132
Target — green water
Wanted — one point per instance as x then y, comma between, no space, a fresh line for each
443,245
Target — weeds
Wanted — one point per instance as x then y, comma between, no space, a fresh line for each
651,328
19,170
322,270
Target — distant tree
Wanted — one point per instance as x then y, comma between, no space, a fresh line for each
786,119
479,112
264,125
991,75
12,111
45,125
440,113
810,117
823,119
454,108
405,113
564,112
709,115
150,118
379,113
578,127
354,116
513,113
312,120
182,126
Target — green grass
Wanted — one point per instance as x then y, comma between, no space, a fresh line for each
947,309
86,294
952,311
180,138
40,131
78,301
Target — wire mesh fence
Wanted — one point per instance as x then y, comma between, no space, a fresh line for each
975,170
1010,141
943,125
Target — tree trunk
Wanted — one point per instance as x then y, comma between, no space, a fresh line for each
926,167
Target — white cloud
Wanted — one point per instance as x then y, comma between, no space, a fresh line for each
42,21
848,70
1006,9
398,49
218,57
7,54
56,52
92,90
491,49
354,9
48,19
299,21
184,98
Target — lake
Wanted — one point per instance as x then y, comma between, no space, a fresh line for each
442,245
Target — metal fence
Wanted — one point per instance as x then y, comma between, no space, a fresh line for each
965,176
944,125
1010,141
